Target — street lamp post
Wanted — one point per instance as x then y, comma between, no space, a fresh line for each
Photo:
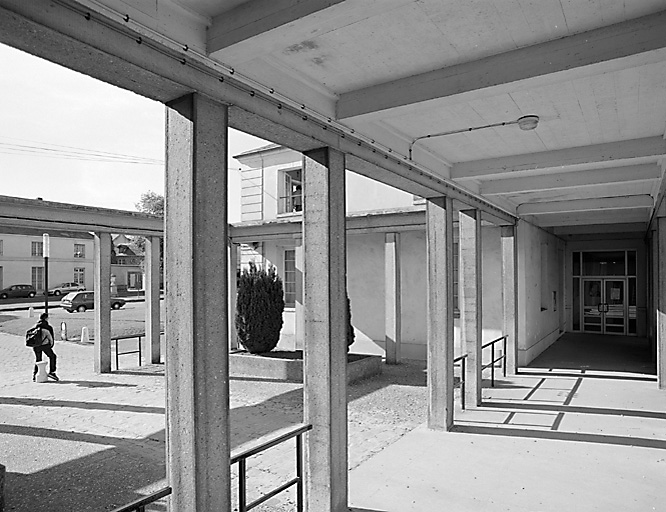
47,250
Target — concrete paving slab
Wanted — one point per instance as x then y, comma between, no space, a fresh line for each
601,446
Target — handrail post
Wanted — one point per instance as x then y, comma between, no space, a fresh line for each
504,358
299,472
492,365
139,350
241,486
116,354
462,381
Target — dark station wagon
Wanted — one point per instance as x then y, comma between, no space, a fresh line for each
18,290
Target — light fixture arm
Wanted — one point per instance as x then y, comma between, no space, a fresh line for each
525,122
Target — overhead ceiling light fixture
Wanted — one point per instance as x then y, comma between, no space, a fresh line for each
525,123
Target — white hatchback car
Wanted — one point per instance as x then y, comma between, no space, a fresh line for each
65,288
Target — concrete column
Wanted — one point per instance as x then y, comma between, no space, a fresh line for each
392,298
325,365
101,283
469,274
233,294
299,309
152,287
440,339
654,288
661,309
510,295
197,338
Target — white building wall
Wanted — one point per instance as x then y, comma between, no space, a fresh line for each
17,260
539,320
365,278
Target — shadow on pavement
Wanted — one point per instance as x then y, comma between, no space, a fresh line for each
103,406
563,436
96,384
574,409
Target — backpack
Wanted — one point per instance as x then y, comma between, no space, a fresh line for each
33,336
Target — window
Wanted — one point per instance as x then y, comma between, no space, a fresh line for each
79,251
290,278
291,191
38,276
37,249
80,276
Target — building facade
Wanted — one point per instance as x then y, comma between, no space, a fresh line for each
22,258
377,217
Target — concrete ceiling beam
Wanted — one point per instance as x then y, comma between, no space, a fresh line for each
584,205
572,179
619,46
599,217
19,212
259,27
257,17
621,152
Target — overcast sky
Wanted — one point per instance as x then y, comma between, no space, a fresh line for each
67,137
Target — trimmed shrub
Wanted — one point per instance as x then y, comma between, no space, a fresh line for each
350,328
259,308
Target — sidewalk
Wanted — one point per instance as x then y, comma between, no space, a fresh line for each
94,442
539,443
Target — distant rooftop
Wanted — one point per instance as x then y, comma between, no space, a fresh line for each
262,149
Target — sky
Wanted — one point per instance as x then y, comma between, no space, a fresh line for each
67,137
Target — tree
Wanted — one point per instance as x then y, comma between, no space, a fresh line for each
259,308
151,202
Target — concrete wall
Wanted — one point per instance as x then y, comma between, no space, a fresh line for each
17,262
539,275
365,274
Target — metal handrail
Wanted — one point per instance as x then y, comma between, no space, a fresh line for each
242,457
463,371
492,362
128,337
140,504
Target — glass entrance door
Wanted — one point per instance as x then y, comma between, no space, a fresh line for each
604,306
615,316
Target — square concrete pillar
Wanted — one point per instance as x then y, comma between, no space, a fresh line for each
392,298
299,326
661,305
197,337
469,274
325,365
439,254
233,294
102,287
152,287
510,295
654,289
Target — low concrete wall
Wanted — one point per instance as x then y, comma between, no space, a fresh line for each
241,364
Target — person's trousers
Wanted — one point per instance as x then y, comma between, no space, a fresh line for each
48,350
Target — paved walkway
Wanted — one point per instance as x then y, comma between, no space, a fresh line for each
94,442
549,439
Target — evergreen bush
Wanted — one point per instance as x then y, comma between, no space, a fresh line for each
259,308
350,328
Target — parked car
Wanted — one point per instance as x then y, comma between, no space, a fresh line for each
82,301
65,288
18,290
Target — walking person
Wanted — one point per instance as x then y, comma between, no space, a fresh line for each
46,347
